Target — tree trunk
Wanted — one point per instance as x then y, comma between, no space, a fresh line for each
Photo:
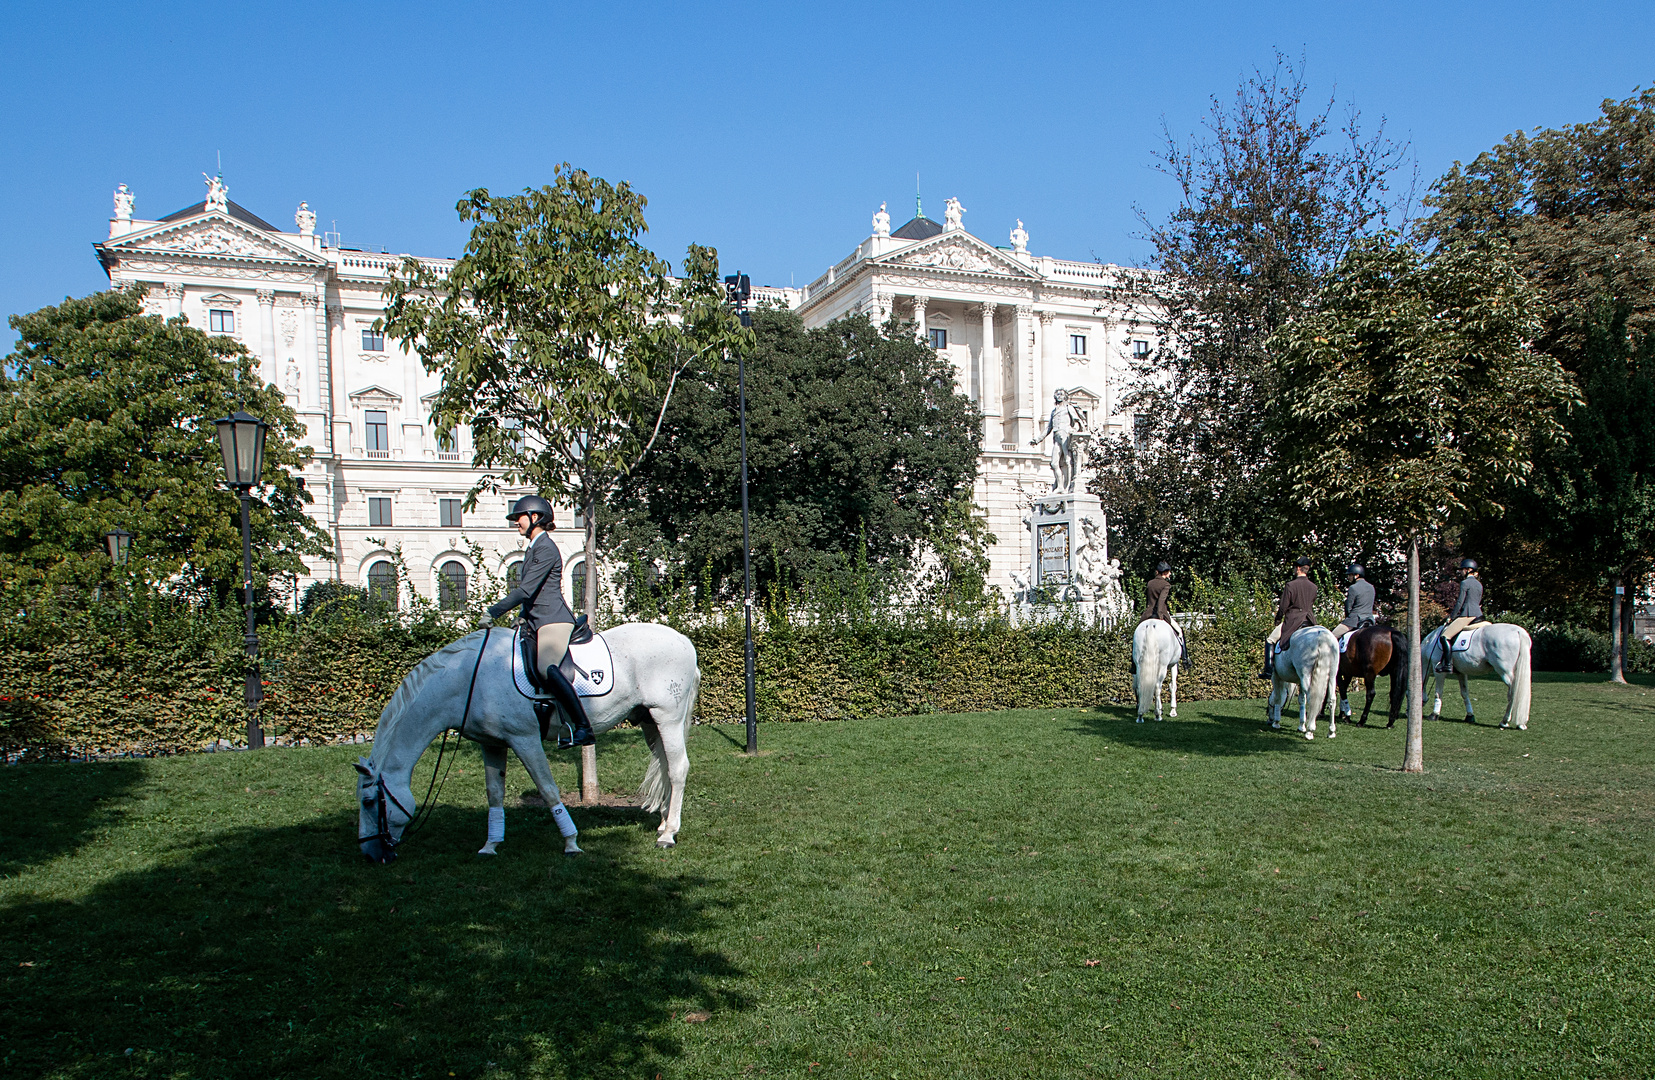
1617,634
589,790
1413,757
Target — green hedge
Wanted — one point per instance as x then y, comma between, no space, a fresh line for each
154,677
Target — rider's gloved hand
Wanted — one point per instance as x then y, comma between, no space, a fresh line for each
485,621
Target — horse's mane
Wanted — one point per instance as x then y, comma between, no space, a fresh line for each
415,680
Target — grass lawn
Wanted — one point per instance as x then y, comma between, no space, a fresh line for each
1051,894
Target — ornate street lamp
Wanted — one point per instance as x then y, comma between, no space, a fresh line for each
738,288
241,438
116,543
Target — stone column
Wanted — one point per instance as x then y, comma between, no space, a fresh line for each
310,395
267,335
988,381
1045,342
920,301
175,300
1030,396
335,400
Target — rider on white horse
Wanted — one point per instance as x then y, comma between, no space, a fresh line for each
1158,605
1468,609
1295,609
1358,602
539,591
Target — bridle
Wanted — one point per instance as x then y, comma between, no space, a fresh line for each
386,843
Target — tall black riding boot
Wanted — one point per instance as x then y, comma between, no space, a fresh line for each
1269,671
580,728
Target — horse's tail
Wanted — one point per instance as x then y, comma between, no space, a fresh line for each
1521,688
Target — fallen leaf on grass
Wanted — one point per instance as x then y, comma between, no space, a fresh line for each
26,963
1091,963
1359,996
697,1017
1314,1041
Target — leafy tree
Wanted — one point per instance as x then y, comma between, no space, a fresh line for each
559,336
1270,198
1411,401
1576,207
106,421
859,447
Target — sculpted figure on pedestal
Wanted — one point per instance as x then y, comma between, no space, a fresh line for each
123,203
1066,427
953,214
218,194
881,222
1019,239
305,218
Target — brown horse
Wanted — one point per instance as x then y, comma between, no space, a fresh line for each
1373,651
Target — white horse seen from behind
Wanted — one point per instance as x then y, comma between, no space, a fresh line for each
1155,652
1310,665
1494,649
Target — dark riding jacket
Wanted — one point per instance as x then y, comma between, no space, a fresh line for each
1470,601
539,588
1358,604
1297,607
1158,593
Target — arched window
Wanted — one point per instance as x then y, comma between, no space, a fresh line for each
451,581
577,587
382,583
514,574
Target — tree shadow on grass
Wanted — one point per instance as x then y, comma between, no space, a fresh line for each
1232,728
279,952
52,809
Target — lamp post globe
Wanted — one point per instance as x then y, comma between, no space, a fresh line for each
241,440
116,543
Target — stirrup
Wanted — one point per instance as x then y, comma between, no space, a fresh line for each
573,737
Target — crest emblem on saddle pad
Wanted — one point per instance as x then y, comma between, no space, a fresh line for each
592,660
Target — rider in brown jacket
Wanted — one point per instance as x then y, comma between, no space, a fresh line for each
1158,605
1295,609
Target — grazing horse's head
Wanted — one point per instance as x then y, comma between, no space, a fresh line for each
382,813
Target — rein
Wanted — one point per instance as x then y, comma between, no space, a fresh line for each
383,835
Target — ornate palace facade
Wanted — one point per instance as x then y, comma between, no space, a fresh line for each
1016,326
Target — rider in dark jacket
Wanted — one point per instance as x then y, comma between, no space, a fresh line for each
1295,609
1358,602
1158,605
539,592
1468,609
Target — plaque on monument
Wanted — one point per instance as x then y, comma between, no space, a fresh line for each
1053,553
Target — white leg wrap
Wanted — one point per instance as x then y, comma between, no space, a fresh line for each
565,823
496,824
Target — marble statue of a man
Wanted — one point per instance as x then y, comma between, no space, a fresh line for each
123,203
218,193
1066,427
953,215
881,222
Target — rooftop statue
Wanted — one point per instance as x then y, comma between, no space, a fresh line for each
123,203
953,215
1019,239
218,194
881,222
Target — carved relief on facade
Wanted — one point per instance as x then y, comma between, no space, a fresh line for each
240,273
950,257
978,288
289,322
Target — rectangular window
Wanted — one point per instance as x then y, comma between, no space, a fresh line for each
1140,349
373,340
1077,344
448,511
379,510
221,322
939,339
378,431
514,434
1140,432
448,447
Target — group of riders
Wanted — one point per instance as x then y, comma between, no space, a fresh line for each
1297,609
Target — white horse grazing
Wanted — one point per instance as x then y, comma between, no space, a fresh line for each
1154,652
655,681
1310,665
1494,649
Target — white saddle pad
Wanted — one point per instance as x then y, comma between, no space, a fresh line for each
594,667
1345,640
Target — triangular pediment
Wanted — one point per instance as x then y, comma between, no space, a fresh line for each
960,252
213,234
376,395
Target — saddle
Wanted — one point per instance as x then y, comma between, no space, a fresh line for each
554,686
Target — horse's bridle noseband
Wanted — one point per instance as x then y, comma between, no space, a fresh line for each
387,842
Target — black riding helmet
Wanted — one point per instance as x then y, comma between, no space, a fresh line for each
1356,570
1302,560
1468,564
1163,567
531,505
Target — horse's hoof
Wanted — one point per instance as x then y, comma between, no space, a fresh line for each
487,849
1173,714
1310,734
1140,719
571,848
664,844
1331,734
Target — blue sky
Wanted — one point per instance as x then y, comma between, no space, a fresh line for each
769,131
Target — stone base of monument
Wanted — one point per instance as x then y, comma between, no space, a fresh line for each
1069,572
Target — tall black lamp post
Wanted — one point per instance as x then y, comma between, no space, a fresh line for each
241,438
739,288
